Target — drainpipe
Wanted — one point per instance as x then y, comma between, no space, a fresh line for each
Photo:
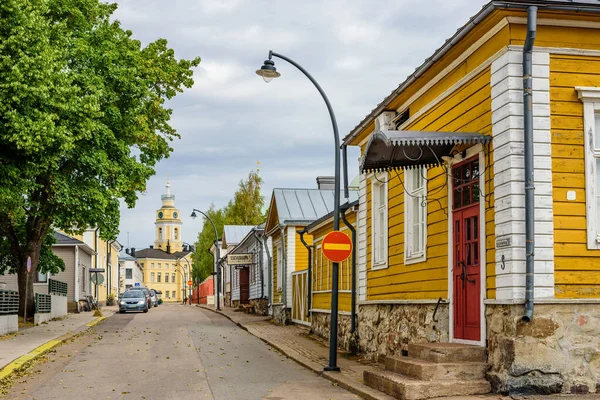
345,170
284,270
528,144
309,278
345,208
95,262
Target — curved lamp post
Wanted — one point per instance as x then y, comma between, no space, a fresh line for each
189,274
216,253
268,72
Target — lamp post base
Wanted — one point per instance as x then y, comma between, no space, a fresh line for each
334,369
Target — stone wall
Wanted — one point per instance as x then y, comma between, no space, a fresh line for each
282,315
320,325
387,329
261,306
9,324
559,351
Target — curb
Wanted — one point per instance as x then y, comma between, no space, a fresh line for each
20,362
333,377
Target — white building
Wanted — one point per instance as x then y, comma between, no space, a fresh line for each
131,271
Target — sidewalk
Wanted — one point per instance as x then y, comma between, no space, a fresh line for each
296,342
31,342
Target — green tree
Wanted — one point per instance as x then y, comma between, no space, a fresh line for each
246,206
82,121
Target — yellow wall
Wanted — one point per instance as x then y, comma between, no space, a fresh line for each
277,295
322,301
301,251
166,266
468,109
577,269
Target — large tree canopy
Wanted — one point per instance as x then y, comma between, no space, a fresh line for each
82,119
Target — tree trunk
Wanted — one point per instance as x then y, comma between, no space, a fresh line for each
25,279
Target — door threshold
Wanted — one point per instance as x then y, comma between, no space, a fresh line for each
479,343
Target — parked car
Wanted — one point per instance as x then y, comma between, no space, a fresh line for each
153,297
146,292
133,300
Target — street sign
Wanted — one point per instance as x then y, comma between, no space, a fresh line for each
239,259
100,279
190,283
137,284
28,264
337,246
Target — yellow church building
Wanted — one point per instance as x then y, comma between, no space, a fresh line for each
167,264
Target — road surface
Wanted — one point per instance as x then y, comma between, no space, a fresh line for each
172,352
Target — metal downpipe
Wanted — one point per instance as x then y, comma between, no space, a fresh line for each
528,147
283,273
309,278
353,293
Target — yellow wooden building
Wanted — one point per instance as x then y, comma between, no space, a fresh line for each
167,263
289,211
442,238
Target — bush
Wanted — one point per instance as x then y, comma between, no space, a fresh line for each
110,300
159,301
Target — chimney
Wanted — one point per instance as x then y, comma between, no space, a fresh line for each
127,251
151,246
132,252
168,246
325,182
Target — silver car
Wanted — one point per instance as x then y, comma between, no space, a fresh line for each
153,297
133,300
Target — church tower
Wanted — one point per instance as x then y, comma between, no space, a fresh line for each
168,224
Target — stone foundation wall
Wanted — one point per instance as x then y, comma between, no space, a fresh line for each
387,329
235,304
282,315
320,325
261,306
558,351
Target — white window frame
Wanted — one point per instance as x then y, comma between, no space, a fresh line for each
415,194
590,96
379,205
279,268
152,277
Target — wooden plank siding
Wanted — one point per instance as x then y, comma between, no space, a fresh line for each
322,300
277,294
468,109
576,269
301,251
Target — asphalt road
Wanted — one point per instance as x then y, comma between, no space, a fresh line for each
172,352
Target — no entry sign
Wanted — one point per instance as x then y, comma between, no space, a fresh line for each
190,283
336,246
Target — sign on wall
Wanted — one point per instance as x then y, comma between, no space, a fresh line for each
239,259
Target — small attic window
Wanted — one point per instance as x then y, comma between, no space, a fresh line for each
401,118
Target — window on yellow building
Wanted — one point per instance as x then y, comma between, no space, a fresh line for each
160,233
590,96
173,277
176,233
379,220
152,277
166,278
167,294
152,265
415,215
159,265
158,280
173,294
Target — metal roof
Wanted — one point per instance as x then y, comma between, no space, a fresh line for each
591,6
325,217
123,256
305,205
259,229
63,239
233,234
160,254
388,150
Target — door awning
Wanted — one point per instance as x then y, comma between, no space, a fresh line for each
390,150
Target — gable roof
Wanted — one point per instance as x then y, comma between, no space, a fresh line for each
233,234
66,240
302,206
579,6
123,256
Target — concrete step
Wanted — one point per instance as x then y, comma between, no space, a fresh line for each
401,387
447,352
429,371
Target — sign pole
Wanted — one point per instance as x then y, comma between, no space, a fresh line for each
26,288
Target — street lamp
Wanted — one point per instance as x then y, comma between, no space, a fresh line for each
189,275
268,72
216,253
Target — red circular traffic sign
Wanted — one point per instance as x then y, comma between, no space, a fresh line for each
336,246
190,283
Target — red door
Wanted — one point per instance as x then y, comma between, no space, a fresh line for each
244,286
466,268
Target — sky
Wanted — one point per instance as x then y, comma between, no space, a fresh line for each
358,51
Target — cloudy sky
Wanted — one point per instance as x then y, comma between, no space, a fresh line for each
358,50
